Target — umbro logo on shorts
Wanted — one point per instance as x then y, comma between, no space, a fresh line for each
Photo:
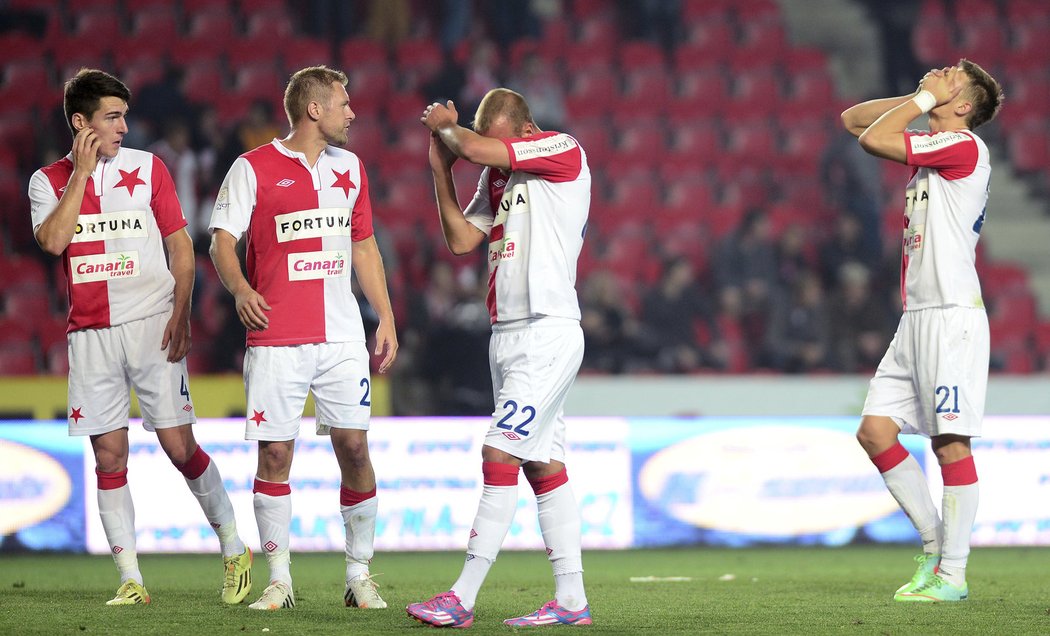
270,546
284,183
950,416
510,435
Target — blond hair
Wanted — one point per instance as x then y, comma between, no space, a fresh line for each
502,102
311,84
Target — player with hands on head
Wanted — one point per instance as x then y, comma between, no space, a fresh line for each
531,208
303,204
933,379
111,213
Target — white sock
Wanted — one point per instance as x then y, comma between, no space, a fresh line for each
560,525
959,508
273,513
499,501
215,502
359,519
118,520
907,483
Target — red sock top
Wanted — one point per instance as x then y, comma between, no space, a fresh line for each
959,473
195,465
270,488
546,484
497,474
111,481
349,497
890,458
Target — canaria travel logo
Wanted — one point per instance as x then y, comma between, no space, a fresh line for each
101,267
320,264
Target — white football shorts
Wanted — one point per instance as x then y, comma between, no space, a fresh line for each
533,364
105,363
934,376
277,380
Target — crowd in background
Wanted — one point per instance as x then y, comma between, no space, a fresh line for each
762,296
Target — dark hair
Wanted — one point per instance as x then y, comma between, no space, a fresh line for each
311,84
984,92
83,93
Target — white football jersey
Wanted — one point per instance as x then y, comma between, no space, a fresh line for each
116,268
301,222
943,216
535,218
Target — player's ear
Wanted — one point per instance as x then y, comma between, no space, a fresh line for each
963,108
313,110
79,122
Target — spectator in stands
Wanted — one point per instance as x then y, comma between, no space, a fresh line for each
657,20
861,324
672,314
852,179
934,376
159,103
792,258
798,336
389,21
848,244
611,333
453,329
546,95
481,75
257,129
745,271
510,20
175,150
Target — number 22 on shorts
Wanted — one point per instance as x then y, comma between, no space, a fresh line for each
511,408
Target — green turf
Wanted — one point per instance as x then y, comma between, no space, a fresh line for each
773,591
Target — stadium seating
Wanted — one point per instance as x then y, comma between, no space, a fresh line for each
682,140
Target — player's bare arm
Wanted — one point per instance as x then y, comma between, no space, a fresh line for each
251,306
461,237
368,267
856,119
465,143
885,137
56,232
176,339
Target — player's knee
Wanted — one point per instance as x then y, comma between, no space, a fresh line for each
180,454
108,462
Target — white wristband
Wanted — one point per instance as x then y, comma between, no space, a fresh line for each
925,101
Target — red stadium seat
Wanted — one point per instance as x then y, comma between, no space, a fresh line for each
101,24
216,24
273,26
359,52
14,332
27,304
301,52
57,359
933,42
638,55
203,83
17,361
258,81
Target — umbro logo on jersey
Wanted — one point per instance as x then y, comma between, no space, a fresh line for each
284,183
499,183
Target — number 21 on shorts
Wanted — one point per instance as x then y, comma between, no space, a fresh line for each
947,398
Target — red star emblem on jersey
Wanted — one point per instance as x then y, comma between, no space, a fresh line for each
342,180
129,180
259,417
76,416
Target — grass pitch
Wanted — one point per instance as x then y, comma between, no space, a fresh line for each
749,591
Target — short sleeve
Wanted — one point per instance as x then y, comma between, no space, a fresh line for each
554,158
164,201
953,154
361,218
479,211
236,200
42,198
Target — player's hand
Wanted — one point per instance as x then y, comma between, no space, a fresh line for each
945,85
85,150
176,339
386,341
441,157
251,309
438,116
